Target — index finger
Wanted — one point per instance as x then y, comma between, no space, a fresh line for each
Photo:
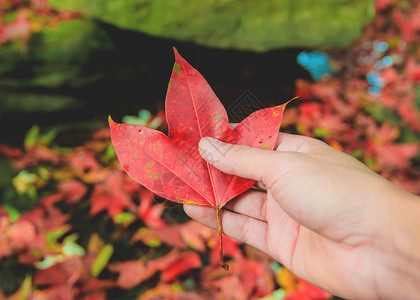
297,143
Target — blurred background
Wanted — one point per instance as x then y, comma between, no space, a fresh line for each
73,225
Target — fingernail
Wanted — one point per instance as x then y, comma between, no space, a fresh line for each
206,145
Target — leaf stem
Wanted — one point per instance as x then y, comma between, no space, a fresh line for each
219,225
256,188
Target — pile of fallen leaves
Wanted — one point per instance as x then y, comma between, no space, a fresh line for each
74,225
93,231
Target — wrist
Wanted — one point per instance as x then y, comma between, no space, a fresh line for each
401,245
405,230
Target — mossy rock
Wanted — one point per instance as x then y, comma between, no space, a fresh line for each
247,24
33,78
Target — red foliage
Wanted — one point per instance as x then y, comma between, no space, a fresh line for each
131,273
150,214
137,245
109,195
182,263
67,272
10,152
15,237
36,155
73,190
246,280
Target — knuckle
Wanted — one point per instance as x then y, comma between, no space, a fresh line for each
291,159
243,233
267,244
287,163
237,150
262,210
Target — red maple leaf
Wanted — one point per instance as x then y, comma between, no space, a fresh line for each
171,166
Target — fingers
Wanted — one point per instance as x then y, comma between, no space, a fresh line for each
251,203
239,160
292,142
252,163
242,228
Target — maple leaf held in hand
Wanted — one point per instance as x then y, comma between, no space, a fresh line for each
171,166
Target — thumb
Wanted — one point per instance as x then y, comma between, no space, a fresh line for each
238,160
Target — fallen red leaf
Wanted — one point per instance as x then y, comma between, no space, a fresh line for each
174,264
169,235
16,236
95,286
110,196
50,200
195,235
36,155
131,273
230,249
171,166
83,161
66,272
255,278
186,261
393,155
73,190
247,280
10,152
149,213
162,262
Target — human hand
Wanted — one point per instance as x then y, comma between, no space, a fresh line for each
326,216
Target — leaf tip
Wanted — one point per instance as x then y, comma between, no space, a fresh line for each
110,121
177,55
284,104
294,98
175,50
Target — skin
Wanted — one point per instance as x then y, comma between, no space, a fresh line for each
326,217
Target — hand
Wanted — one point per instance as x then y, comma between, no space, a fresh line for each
326,217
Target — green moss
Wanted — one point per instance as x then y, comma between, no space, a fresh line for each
247,24
55,57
